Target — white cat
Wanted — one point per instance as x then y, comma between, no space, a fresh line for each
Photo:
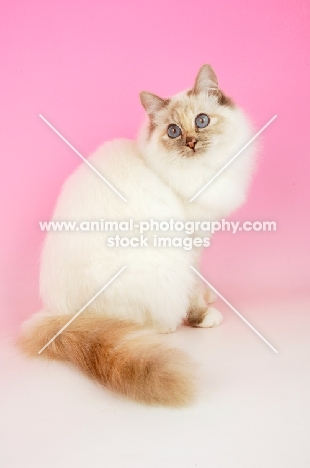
185,141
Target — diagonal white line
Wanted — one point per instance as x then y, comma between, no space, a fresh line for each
82,157
234,310
83,308
232,159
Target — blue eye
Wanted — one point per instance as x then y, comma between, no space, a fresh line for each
173,131
202,120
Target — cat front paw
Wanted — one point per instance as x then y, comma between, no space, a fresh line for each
211,319
205,318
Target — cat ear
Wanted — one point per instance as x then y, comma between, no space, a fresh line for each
205,79
152,103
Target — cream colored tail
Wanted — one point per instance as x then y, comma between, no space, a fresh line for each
116,353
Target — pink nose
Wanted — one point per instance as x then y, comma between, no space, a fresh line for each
191,142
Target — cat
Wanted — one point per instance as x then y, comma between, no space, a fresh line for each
117,340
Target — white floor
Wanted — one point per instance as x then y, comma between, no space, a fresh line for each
253,409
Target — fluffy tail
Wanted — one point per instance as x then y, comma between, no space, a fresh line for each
117,354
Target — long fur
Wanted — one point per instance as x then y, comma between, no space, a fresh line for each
158,176
117,354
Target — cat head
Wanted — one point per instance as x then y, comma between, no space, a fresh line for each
192,135
190,122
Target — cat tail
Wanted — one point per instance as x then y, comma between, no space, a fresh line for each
116,353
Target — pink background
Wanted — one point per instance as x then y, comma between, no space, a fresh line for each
82,64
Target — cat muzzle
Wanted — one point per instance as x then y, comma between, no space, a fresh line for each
191,142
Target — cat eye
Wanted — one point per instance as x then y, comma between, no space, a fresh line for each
202,120
173,131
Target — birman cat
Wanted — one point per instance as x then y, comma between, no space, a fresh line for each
117,340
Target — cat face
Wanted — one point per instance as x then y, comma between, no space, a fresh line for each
191,122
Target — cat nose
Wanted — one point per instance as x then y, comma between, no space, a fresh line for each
191,142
